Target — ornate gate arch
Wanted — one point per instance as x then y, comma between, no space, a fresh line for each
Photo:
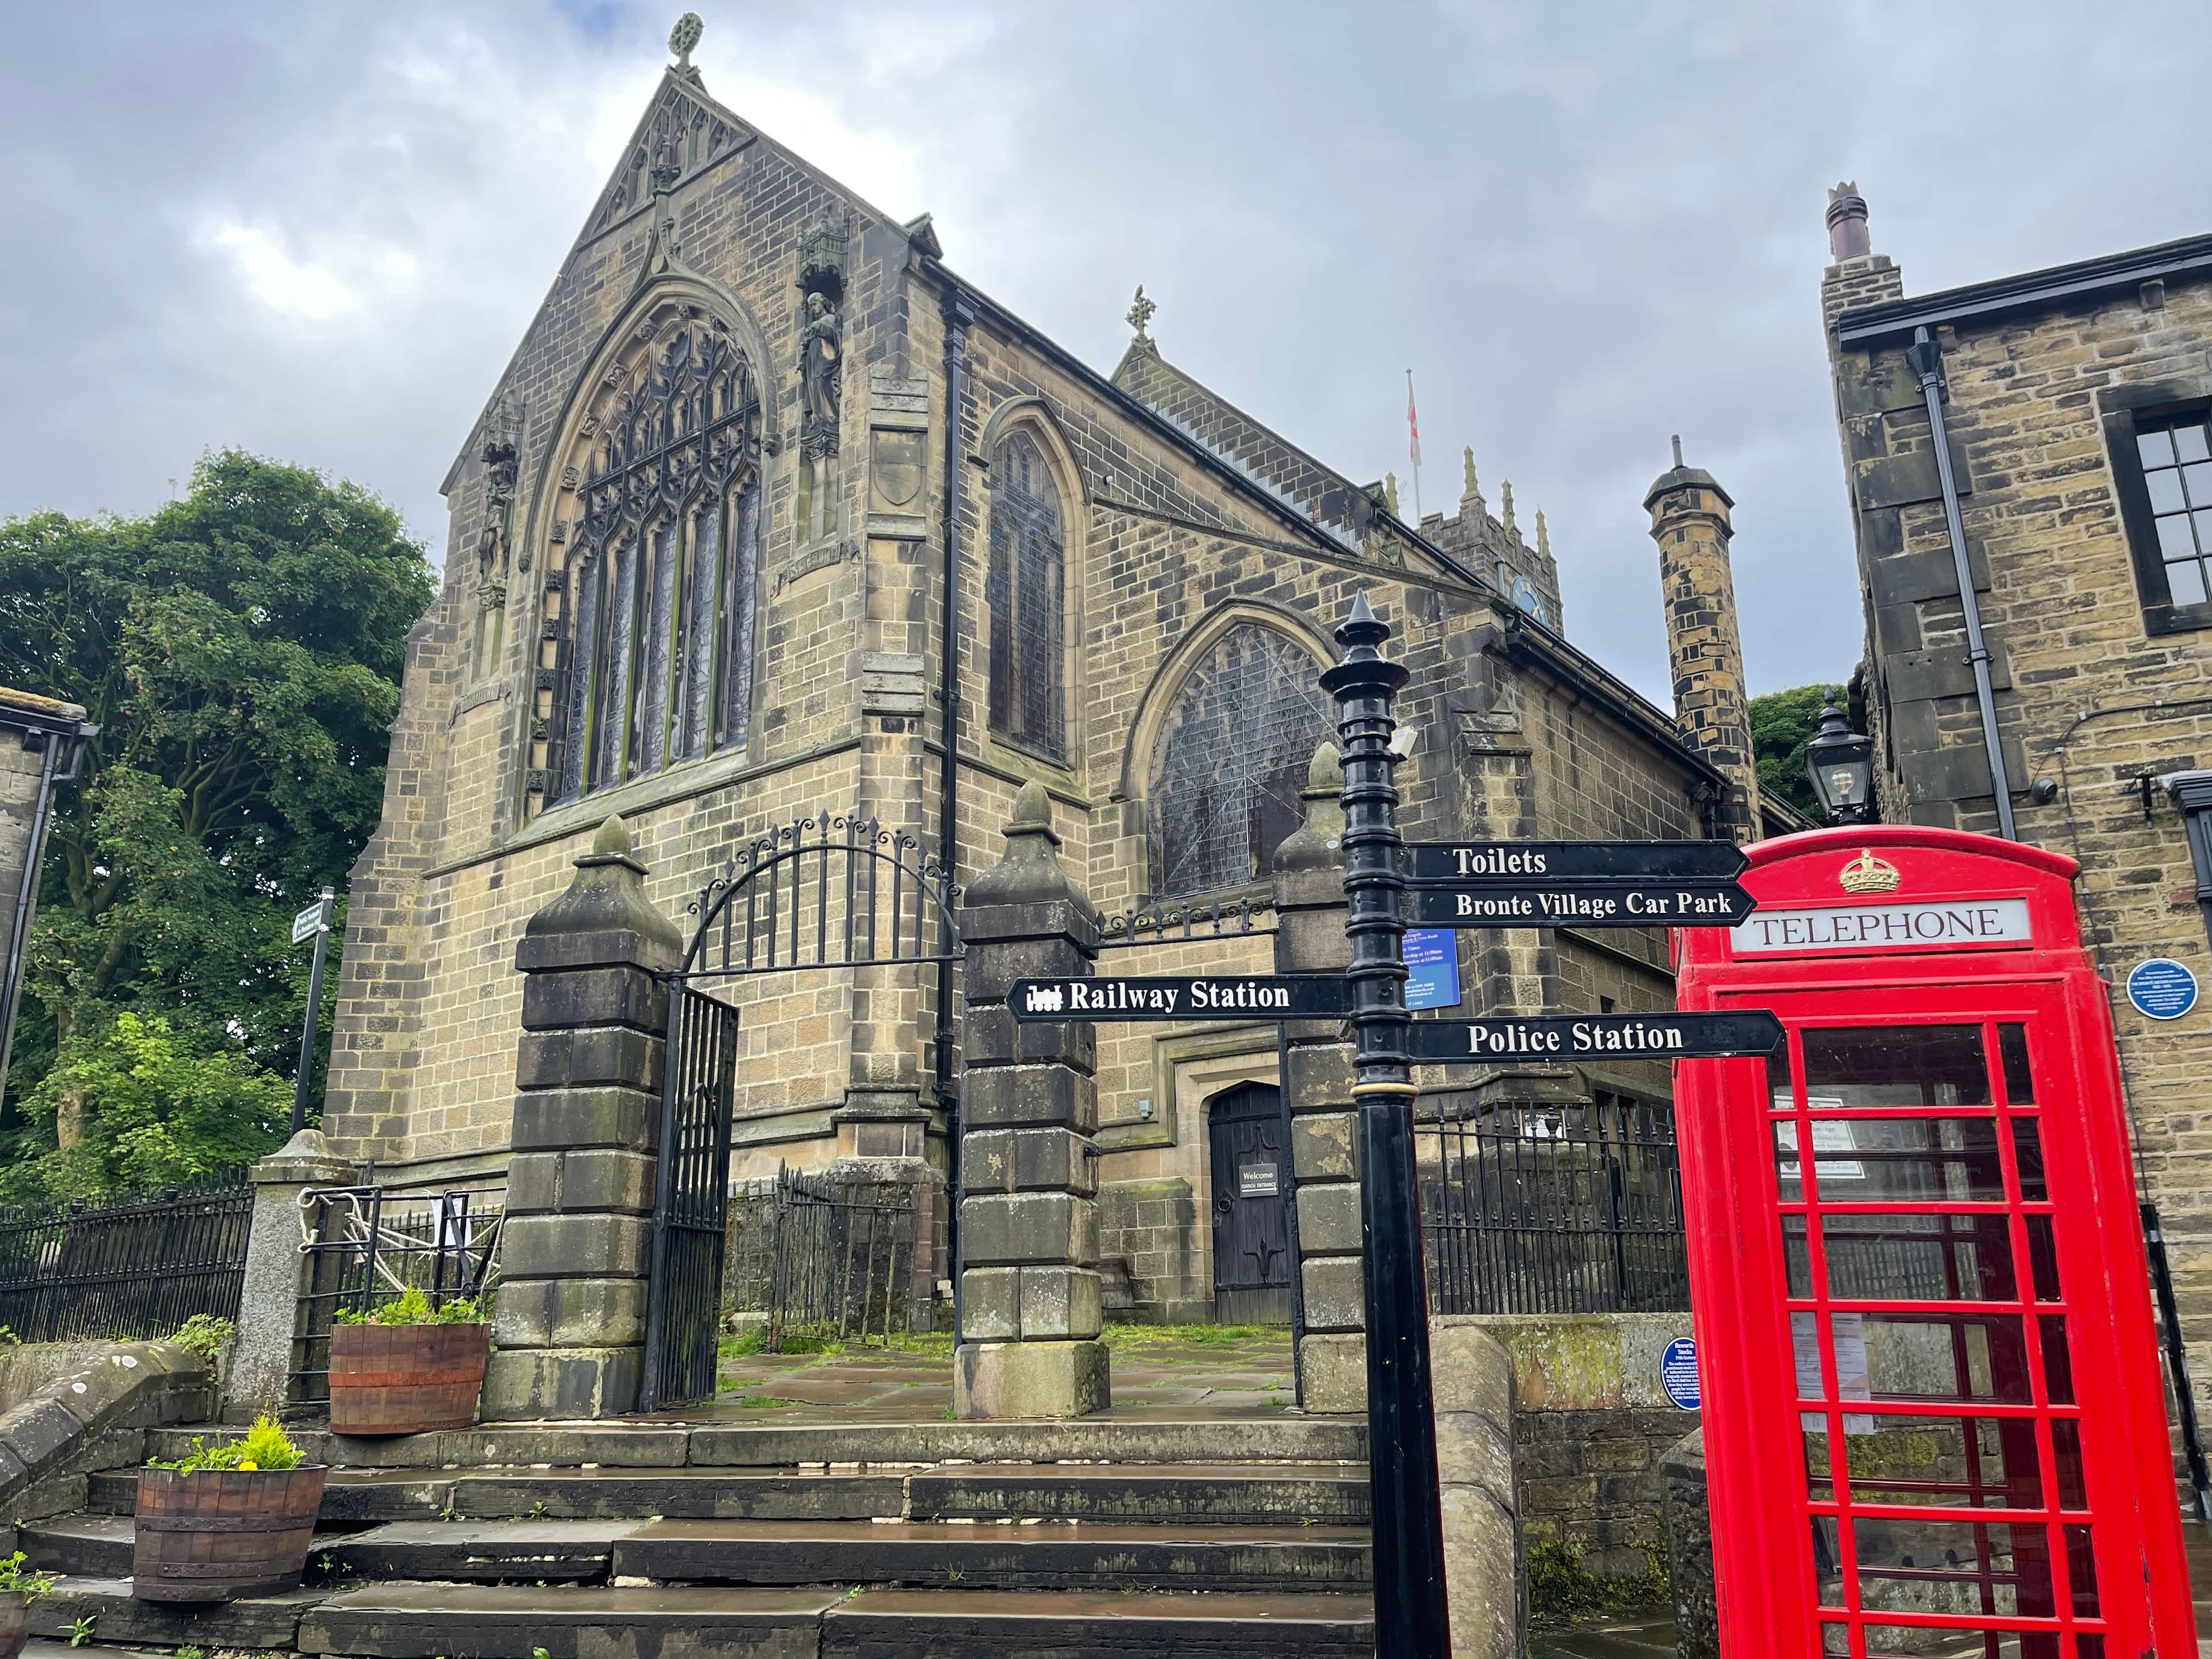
827,892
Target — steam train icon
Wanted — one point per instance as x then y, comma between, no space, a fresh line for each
1044,1000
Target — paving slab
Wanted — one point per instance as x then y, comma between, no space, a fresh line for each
510,1621
1232,1494
681,1494
549,1552
269,1621
1078,1624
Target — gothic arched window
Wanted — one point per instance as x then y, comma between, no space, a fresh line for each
661,568
1231,760
1026,590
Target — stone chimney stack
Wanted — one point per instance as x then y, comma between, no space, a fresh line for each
1856,275
1689,521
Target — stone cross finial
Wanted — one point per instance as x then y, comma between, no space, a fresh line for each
1473,483
685,36
1505,509
1141,313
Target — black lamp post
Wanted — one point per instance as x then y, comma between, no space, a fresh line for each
1841,762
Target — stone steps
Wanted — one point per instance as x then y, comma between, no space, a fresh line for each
1177,1439
418,1621
1221,1494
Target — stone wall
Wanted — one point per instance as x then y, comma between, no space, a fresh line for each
1590,1425
2090,700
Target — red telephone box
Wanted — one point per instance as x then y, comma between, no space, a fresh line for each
1934,1417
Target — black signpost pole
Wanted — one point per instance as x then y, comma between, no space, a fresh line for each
1410,1615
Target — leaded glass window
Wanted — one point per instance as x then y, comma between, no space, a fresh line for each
1232,760
661,571
1026,590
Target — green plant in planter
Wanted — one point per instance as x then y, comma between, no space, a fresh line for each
28,1585
266,1446
412,1307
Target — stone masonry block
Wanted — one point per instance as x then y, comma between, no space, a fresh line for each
558,1119
576,1247
1030,1379
1312,939
594,996
571,1313
598,1179
1029,1160
1335,1368
535,1384
594,1053
1321,888
1318,1076
990,969
990,1305
993,1033
1322,1147
1040,1096
1336,1296
1058,921
1329,1220
1058,1302
1026,1228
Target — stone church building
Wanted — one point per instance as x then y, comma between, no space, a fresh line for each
772,513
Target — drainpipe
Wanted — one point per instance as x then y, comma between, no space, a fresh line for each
1925,358
11,973
959,312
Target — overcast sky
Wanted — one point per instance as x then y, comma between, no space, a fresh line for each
317,231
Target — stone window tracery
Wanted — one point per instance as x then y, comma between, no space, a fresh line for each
651,621
1231,760
1026,590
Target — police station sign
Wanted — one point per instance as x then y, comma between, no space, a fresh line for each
1944,925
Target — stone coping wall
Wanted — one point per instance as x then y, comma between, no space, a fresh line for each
75,1407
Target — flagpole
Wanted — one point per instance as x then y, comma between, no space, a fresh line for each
1414,432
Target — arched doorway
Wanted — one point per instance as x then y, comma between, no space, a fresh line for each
1251,1194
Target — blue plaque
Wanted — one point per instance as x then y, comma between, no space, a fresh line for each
2160,989
1678,1373
1431,968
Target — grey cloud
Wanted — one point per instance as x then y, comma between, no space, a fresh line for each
318,231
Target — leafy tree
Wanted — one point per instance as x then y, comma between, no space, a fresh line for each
242,650
1782,722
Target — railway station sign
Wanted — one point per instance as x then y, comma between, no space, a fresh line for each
1243,996
1567,1037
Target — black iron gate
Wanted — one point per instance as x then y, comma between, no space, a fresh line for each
830,891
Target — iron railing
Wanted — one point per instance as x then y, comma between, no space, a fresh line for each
1554,1208
367,1247
127,1271
814,1257
1162,922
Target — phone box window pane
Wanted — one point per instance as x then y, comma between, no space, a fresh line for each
1919,1641
1827,1561
2012,1053
1949,1566
1819,1473
2057,1360
2043,1258
2088,1645
1835,1639
2082,1570
1947,1462
2066,1452
1890,1160
1898,1065
1961,1358
2028,1154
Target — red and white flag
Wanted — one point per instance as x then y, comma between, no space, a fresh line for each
1413,420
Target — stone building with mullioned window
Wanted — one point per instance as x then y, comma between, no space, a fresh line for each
770,507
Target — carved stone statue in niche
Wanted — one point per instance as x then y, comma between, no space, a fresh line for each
821,359
502,462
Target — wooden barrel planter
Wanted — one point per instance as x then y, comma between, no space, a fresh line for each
14,1622
216,1535
405,1379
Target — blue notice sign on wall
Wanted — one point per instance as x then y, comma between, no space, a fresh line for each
1431,968
2161,988
1678,1373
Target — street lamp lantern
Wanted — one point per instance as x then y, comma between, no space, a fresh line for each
1841,762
